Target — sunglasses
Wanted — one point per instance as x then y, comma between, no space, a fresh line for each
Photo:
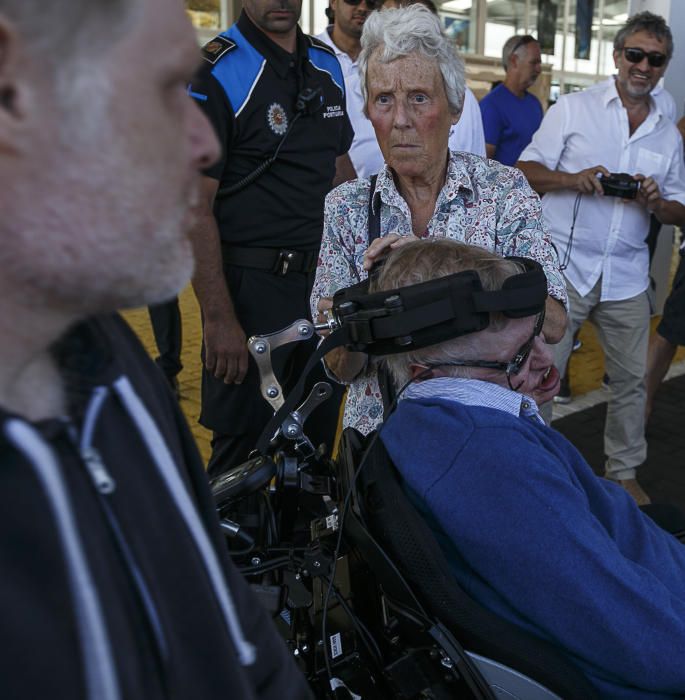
371,4
523,41
634,54
514,366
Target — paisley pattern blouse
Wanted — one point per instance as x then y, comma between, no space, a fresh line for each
482,203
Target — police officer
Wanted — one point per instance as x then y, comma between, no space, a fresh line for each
276,98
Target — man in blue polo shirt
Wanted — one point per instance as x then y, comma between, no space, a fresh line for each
511,115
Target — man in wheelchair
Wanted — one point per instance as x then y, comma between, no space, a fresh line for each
527,528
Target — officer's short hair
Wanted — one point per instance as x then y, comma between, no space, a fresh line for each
59,32
645,22
398,32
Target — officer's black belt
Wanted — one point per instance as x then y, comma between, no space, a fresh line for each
279,261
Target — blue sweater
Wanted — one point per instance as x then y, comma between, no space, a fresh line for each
536,537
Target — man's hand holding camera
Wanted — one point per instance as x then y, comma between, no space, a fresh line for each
598,180
587,181
649,194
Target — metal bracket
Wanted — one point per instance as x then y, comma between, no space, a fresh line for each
292,425
260,347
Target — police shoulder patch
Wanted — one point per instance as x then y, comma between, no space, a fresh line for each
219,46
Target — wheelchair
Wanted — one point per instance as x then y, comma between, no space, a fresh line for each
352,575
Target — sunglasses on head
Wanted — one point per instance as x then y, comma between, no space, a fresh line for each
523,41
634,54
371,4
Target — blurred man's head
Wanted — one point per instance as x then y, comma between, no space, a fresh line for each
274,16
350,16
100,152
522,62
506,341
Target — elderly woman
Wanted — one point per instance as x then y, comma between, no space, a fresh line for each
413,87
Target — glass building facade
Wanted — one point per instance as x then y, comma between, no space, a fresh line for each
577,35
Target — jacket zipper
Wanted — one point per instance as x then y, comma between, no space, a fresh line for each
105,485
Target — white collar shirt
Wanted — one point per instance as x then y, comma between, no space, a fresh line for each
364,152
591,128
467,134
475,392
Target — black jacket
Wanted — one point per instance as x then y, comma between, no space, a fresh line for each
113,571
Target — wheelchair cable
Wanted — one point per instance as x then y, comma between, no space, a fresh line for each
472,677
338,544
357,623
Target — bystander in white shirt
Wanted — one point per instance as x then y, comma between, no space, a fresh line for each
365,154
661,95
591,128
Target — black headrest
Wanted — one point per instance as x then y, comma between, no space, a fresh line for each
419,315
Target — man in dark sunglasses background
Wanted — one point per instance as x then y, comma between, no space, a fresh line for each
528,530
617,127
343,36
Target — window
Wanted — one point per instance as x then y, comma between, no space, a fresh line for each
205,14
460,21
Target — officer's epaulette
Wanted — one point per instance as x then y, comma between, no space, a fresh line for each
317,43
219,46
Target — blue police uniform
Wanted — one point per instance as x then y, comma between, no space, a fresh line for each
270,228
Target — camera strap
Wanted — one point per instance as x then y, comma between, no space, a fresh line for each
563,264
385,383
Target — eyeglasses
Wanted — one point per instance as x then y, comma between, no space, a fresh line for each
371,4
634,54
513,367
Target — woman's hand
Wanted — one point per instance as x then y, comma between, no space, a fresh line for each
381,247
323,308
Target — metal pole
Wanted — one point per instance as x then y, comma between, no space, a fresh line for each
600,37
564,34
481,15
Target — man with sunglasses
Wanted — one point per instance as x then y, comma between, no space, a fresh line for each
585,137
528,530
511,115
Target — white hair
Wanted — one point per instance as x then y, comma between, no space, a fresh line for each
395,33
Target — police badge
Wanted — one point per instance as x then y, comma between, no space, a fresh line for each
277,118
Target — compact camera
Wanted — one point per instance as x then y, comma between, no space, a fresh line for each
619,185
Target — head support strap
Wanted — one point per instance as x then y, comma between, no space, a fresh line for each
413,317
